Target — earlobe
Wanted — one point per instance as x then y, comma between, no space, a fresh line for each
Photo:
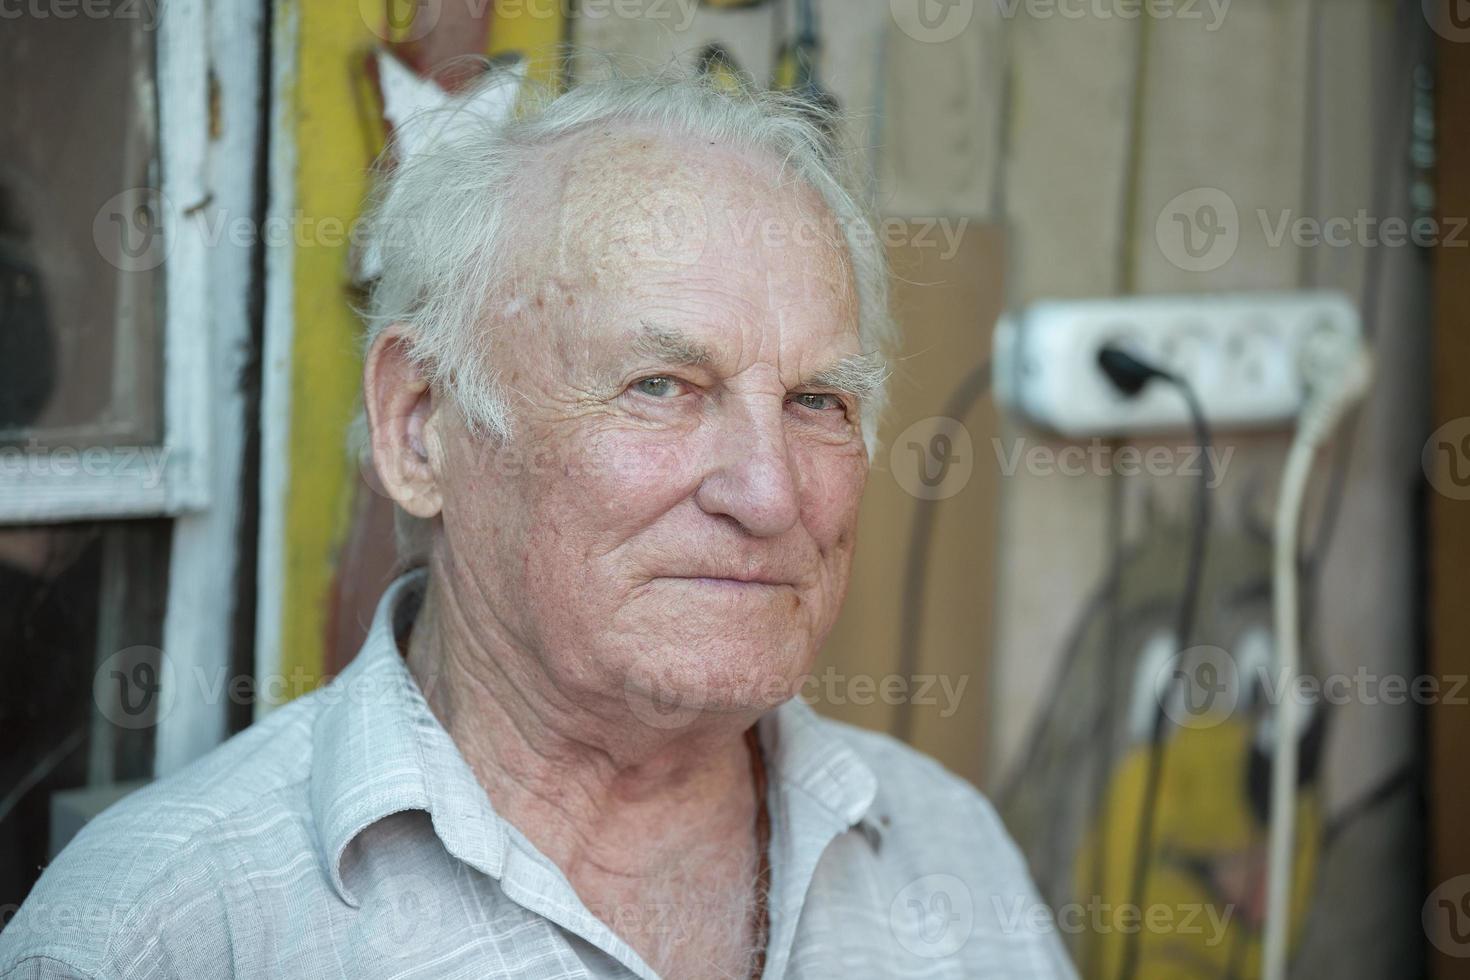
401,415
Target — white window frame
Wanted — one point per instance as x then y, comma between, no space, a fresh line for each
207,285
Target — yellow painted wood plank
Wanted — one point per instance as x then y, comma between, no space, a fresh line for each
335,139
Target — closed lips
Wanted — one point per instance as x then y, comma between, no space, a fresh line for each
733,579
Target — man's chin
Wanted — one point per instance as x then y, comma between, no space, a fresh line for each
720,683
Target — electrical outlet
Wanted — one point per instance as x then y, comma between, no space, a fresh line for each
1239,351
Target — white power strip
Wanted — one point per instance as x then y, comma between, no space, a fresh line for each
1240,353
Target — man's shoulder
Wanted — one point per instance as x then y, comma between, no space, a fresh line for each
160,855
905,772
939,835
927,806
250,771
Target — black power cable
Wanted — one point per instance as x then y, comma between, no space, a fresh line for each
1131,375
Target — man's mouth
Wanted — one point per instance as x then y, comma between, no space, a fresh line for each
731,582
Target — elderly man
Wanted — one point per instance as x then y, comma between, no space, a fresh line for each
623,375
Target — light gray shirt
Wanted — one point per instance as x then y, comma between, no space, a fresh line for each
345,836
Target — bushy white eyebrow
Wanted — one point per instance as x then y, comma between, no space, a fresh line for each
859,375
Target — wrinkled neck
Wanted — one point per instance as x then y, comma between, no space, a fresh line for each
577,772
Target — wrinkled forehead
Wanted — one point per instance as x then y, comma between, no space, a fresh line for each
630,215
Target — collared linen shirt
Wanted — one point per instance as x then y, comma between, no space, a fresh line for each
345,836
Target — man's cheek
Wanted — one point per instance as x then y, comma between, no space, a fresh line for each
832,491
651,459
637,474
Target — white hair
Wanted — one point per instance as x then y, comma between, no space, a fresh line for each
444,220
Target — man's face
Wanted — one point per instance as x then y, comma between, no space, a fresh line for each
675,512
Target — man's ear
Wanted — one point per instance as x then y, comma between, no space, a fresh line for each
403,420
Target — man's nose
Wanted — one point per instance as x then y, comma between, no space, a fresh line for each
751,479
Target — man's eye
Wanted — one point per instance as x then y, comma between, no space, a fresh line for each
818,402
658,387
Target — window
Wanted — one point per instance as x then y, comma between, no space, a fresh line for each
131,132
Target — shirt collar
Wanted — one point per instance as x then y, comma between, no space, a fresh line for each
379,750
804,752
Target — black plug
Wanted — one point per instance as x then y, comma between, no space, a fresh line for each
1128,372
